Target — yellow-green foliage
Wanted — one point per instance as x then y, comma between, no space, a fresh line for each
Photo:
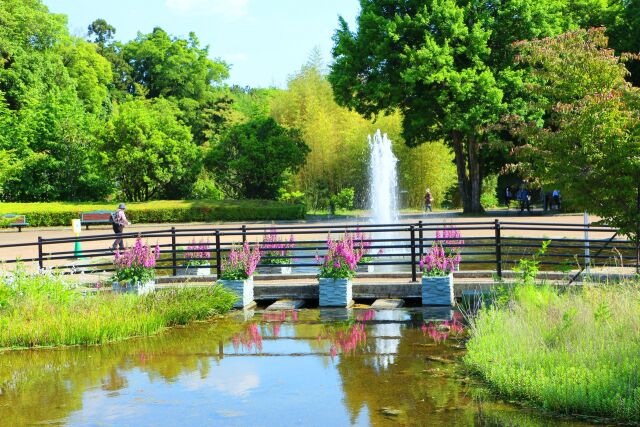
339,153
44,310
575,352
160,211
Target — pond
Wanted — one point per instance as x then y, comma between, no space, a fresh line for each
309,367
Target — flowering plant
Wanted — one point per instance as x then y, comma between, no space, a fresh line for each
198,253
136,264
451,240
273,246
241,263
342,256
437,262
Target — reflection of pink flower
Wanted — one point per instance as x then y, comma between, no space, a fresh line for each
248,339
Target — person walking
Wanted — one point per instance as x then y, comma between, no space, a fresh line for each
428,199
119,222
508,196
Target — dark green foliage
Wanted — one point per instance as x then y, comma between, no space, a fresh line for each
61,214
447,66
150,152
172,67
254,158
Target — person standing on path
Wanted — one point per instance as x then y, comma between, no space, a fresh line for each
119,223
428,199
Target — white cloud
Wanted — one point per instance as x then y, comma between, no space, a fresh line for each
226,8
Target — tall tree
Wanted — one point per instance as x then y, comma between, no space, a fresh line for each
150,153
447,66
589,145
254,158
172,67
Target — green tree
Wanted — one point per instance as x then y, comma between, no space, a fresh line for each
254,158
51,88
624,30
589,145
172,67
149,152
447,65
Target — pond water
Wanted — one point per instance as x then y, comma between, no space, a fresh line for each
332,367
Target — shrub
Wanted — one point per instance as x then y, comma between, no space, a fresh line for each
161,211
344,199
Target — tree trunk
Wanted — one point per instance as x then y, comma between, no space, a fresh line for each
473,148
468,169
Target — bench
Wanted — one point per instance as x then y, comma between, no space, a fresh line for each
95,217
14,220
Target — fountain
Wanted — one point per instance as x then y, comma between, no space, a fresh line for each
383,180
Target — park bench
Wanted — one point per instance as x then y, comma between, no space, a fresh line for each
95,218
15,220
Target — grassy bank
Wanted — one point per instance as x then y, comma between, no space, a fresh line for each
160,211
575,352
43,310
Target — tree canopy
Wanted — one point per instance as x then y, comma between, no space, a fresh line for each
254,158
447,66
589,145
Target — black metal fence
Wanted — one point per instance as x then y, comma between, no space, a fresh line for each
488,245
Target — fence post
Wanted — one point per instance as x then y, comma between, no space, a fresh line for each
414,276
173,250
218,256
498,248
421,239
40,260
244,234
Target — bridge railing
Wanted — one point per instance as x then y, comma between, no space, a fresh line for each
488,245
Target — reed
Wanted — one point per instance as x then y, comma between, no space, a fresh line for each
46,310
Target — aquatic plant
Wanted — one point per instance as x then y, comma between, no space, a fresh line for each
241,262
277,250
48,310
135,264
574,352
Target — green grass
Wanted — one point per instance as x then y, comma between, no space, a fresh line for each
160,211
44,310
572,352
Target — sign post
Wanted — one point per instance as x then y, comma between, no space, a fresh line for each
76,225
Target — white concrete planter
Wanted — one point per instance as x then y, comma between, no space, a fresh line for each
283,270
366,268
438,290
242,288
137,288
335,292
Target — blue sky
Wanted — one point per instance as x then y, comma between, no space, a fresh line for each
265,41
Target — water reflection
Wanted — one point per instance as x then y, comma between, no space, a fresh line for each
277,368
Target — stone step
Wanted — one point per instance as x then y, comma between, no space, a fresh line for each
387,304
286,304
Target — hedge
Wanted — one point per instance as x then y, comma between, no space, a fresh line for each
160,211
